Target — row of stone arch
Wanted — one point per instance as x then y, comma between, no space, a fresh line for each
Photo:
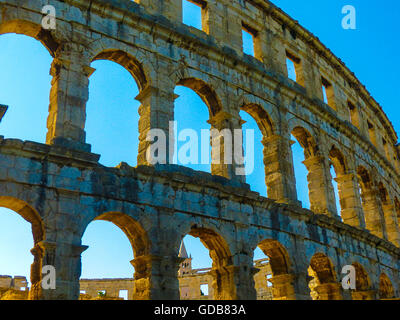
322,280
71,71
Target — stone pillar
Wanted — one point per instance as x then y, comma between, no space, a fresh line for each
274,56
156,112
35,292
312,78
283,288
214,22
329,291
279,171
156,277
301,287
234,283
320,187
68,96
234,29
363,295
223,162
66,259
373,213
350,200
392,227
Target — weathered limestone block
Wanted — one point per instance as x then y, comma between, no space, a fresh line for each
274,54
171,9
373,213
321,191
279,171
66,259
283,288
156,278
391,223
329,291
214,21
350,203
68,97
312,78
223,161
233,283
156,112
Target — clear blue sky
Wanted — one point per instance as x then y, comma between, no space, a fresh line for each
371,52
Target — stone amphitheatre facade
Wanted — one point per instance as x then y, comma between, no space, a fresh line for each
60,187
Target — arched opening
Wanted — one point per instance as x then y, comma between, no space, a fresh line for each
386,290
323,285
192,129
257,122
363,284
33,30
304,150
25,87
112,126
132,65
21,232
273,281
371,208
219,279
194,275
338,171
116,244
205,92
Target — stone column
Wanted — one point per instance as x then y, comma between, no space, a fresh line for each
392,227
156,278
274,55
35,292
214,22
222,283
350,200
320,187
301,287
329,291
312,78
66,259
68,96
234,29
233,283
373,213
283,288
223,162
279,170
156,112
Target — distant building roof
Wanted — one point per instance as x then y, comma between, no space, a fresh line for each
182,251
3,110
